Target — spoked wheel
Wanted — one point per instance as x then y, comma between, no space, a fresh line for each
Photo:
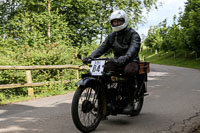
86,108
138,102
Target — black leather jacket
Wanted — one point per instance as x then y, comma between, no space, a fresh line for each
123,43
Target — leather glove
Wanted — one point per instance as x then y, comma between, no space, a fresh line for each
122,60
114,60
86,60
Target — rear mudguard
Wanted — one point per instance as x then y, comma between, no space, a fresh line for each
88,80
142,82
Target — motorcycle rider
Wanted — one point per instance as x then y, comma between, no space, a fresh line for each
125,43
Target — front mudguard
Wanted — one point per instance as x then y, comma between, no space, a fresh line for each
88,80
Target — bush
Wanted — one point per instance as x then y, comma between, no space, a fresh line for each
54,54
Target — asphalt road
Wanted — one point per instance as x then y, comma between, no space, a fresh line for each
173,106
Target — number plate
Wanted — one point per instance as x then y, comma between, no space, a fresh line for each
97,67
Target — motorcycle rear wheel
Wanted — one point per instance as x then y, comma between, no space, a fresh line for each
86,108
138,102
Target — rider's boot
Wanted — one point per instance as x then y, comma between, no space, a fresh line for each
104,117
128,109
132,84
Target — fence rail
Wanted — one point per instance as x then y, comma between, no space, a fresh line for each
8,86
29,77
44,67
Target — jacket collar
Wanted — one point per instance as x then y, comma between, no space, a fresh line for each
123,31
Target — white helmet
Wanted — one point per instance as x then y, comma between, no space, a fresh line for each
119,14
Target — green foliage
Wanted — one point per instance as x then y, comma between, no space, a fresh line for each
183,36
190,21
80,21
154,38
32,29
2,97
44,55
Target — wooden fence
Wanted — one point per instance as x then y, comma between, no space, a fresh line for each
29,77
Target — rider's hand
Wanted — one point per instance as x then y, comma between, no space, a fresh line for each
122,60
86,60
114,60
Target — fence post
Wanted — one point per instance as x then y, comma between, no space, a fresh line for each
77,74
29,80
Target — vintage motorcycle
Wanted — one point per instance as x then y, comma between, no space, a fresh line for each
106,93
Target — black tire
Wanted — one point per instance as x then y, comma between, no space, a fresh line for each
86,108
138,102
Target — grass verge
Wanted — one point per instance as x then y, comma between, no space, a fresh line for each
47,91
181,59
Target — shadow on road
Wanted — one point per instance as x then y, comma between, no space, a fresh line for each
25,119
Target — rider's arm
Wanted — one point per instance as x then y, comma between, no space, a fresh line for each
101,49
134,45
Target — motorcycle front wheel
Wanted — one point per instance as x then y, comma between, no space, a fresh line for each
86,108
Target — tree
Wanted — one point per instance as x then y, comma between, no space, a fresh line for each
86,19
34,24
153,39
163,37
190,21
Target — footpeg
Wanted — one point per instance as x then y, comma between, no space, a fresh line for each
128,109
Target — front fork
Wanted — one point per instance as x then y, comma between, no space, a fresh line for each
104,105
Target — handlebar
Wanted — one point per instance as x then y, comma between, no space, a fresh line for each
107,59
100,59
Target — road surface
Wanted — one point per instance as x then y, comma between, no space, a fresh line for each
173,106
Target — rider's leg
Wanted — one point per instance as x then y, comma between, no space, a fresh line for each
130,71
110,66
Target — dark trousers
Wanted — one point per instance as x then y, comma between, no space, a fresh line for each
129,70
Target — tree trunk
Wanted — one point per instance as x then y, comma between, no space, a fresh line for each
174,54
49,23
75,56
196,55
156,51
185,54
101,38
